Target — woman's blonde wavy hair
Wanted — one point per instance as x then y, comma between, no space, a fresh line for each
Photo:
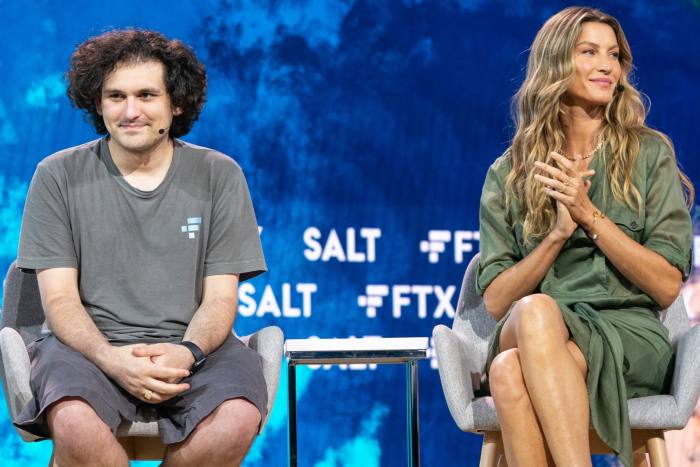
539,117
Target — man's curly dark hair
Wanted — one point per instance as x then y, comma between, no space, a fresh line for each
93,60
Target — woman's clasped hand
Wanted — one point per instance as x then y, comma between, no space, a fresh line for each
568,182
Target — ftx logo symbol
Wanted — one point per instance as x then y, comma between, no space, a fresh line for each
192,226
438,240
374,299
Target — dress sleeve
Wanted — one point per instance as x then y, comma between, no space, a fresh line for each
234,242
498,245
46,237
668,227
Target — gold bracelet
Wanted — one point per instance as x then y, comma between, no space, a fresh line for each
596,215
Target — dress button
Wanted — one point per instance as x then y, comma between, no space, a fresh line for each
633,224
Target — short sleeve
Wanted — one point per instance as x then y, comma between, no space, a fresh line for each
668,227
46,239
234,242
498,245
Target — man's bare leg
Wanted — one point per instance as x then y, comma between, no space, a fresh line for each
80,436
221,439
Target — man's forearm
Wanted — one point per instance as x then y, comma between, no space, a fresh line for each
70,322
522,278
212,323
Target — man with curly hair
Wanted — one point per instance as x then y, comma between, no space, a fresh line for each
139,241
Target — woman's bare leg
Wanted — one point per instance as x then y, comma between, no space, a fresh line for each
523,441
553,370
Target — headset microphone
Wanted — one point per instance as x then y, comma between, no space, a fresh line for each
620,88
161,131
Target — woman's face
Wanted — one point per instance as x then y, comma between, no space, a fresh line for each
596,66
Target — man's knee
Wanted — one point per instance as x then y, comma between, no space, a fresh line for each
243,419
70,416
80,436
233,425
505,377
538,317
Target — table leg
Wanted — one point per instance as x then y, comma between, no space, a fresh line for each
412,411
292,412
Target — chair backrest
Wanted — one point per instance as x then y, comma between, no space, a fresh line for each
21,292
471,318
473,321
675,318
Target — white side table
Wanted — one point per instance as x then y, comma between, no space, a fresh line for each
404,350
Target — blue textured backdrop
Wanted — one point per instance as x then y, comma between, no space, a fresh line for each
343,114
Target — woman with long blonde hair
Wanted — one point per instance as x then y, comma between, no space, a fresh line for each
585,237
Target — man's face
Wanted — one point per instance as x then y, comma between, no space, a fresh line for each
135,105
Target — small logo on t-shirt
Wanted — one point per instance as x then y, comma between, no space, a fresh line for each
192,226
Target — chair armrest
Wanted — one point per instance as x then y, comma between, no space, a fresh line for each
685,387
456,363
15,370
268,342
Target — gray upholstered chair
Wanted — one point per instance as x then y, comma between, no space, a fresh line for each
461,354
22,322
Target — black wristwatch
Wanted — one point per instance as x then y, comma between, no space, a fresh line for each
199,357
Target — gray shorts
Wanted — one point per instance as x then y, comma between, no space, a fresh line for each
231,371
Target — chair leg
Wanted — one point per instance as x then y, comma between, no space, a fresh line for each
53,462
490,449
656,446
639,459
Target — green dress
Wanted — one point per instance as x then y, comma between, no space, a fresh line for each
613,322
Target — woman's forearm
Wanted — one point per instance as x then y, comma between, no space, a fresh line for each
645,268
522,278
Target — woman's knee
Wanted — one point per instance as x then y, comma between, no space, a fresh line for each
505,377
538,316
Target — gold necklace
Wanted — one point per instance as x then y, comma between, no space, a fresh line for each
590,154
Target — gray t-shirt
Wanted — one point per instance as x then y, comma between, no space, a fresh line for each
141,256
